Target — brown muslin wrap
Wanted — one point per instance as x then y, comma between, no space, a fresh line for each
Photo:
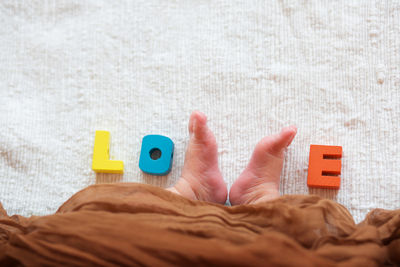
129,224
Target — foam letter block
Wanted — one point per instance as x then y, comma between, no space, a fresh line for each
101,158
324,166
156,155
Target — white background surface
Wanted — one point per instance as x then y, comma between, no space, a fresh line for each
68,68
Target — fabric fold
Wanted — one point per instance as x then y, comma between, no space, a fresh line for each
127,224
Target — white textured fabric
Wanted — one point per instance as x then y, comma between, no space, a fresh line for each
68,68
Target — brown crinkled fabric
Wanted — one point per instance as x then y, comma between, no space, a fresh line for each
129,224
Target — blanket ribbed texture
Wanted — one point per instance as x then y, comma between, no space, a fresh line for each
68,68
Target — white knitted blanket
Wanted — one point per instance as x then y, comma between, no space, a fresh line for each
68,68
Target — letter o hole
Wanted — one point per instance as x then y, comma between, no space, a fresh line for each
155,153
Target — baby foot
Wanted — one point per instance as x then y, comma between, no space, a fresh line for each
201,178
260,180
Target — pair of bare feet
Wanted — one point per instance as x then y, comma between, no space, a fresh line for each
201,178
